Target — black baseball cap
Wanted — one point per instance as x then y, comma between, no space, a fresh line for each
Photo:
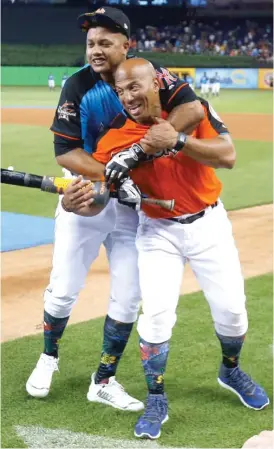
106,16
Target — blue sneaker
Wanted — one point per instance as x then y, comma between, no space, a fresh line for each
250,394
149,424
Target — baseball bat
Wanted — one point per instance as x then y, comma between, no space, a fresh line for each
55,184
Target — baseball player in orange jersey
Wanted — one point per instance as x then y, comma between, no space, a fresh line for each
198,231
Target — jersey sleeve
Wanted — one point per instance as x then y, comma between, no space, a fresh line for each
63,145
173,91
212,125
66,121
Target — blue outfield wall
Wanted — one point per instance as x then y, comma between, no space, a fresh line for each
231,78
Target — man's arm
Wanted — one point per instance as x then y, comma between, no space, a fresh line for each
185,117
218,152
80,162
68,142
213,147
179,101
184,109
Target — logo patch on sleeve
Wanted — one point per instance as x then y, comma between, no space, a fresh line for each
66,110
165,78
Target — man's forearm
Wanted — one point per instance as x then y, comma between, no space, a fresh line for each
217,153
80,162
186,117
183,118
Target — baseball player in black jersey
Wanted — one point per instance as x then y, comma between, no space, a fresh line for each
88,103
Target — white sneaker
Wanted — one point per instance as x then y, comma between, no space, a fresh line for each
38,384
113,394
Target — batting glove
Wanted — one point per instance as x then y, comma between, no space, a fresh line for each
129,194
119,166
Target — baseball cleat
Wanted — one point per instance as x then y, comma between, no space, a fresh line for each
113,394
38,384
149,424
250,394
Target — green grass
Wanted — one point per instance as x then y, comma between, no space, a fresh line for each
241,101
201,413
29,96
30,149
251,181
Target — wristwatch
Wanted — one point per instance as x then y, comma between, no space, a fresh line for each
181,140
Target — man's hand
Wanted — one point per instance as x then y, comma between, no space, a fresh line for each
78,198
119,166
129,194
159,137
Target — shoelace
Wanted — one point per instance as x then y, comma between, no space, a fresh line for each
155,409
50,364
118,386
240,379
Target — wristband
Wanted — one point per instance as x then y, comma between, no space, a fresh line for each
64,207
138,150
181,140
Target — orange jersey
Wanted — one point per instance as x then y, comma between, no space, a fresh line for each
192,185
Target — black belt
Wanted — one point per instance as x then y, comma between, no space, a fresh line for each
193,217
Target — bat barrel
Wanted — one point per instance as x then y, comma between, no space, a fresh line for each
165,204
18,178
9,177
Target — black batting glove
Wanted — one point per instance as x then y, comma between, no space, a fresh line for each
129,194
119,166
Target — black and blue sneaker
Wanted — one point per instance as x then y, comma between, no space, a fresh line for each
149,424
250,394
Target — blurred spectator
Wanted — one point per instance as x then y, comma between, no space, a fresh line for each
193,37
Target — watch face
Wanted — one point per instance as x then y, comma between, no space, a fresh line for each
182,137
180,142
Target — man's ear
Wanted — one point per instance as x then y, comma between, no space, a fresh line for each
126,45
156,84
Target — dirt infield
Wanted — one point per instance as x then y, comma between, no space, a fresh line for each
241,126
25,274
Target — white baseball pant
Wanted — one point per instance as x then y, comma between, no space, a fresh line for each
77,243
51,84
164,247
204,89
216,88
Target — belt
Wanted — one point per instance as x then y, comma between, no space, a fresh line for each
193,217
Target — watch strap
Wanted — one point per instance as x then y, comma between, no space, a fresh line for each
181,140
